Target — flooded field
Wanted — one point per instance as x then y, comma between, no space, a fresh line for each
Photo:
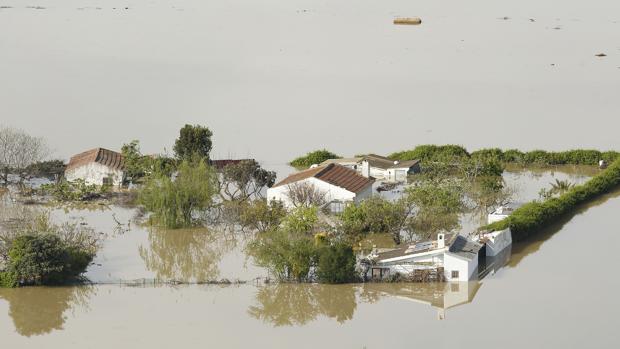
530,293
275,79
542,293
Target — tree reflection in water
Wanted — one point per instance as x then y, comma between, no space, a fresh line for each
40,310
188,255
298,304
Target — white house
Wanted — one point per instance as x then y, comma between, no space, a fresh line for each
333,182
455,254
97,166
352,163
389,170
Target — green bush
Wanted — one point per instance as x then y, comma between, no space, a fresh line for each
315,157
44,259
176,203
533,217
8,280
336,264
432,152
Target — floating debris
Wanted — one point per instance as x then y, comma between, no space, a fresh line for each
532,20
601,55
505,18
557,28
408,21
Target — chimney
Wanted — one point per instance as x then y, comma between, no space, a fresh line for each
441,241
365,169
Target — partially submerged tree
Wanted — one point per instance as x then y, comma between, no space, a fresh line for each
180,201
194,140
262,216
18,150
244,180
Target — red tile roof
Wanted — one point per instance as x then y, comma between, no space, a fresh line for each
333,174
105,157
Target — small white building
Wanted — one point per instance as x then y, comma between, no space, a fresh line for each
352,163
97,166
502,212
389,170
457,255
333,182
496,241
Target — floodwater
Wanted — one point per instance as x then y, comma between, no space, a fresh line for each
274,79
555,292
530,294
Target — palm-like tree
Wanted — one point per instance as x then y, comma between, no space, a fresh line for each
561,187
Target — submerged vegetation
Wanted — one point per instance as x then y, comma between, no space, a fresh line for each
35,251
535,216
312,158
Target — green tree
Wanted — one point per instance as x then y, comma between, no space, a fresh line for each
336,264
314,157
438,208
178,202
244,180
261,216
194,140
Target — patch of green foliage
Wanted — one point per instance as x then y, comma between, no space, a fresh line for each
47,169
262,216
77,190
138,166
292,250
533,217
194,140
41,253
314,157
336,264
455,153
430,152
178,202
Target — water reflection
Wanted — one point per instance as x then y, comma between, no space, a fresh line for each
298,304
40,310
189,255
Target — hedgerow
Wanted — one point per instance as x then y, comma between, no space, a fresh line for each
535,216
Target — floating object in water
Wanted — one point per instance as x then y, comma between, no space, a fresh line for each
601,55
408,20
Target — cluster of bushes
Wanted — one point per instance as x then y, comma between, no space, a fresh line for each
315,157
41,253
77,190
296,251
535,216
534,157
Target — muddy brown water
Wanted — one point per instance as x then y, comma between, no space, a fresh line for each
286,77
555,288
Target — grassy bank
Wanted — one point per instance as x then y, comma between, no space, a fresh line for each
535,216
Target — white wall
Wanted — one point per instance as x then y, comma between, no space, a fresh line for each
94,173
465,268
333,192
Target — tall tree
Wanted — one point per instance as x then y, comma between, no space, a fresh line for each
193,140
18,150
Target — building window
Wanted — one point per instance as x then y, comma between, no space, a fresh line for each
107,181
455,274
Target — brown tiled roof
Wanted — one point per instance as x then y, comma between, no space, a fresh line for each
105,157
333,174
220,164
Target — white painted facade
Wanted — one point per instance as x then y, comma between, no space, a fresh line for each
396,174
332,192
466,268
95,173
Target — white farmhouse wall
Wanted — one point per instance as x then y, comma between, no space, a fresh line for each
332,192
466,268
94,173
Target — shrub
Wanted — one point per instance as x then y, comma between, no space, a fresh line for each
315,157
336,264
176,202
8,280
77,190
533,217
44,259
431,152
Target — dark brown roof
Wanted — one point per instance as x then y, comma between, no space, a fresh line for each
333,174
220,164
382,162
105,157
